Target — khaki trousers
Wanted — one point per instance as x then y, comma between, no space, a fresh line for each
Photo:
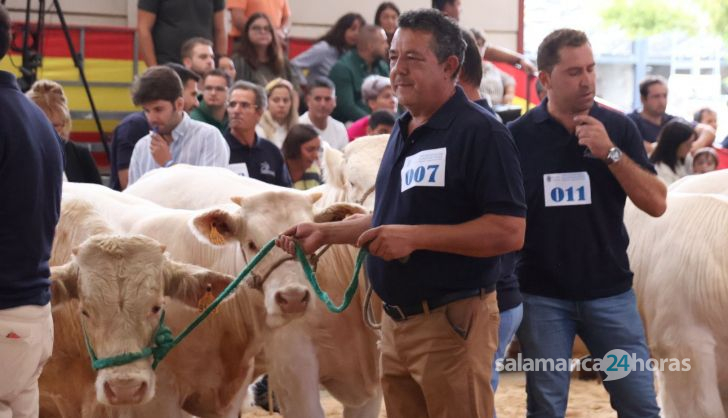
438,364
26,342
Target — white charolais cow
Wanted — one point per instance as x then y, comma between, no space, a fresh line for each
258,220
116,286
188,180
681,281
350,175
340,351
713,182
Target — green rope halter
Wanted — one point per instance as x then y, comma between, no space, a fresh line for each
164,341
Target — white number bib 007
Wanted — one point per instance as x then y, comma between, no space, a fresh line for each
567,189
426,169
240,169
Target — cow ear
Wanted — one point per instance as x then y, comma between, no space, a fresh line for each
215,227
333,168
338,212
64,283
189,283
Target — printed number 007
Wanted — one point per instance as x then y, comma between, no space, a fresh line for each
418,174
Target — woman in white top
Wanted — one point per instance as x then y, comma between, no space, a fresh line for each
282,112
673,145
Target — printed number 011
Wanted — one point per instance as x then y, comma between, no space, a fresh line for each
418,174
558,194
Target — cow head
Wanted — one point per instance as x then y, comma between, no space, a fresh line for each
121,283
354,171
261,218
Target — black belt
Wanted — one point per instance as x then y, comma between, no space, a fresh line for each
400,313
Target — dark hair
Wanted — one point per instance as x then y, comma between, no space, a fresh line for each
261,100
382,7
184,73
381,117
447,39
298,135
548,51
440,4
698,116
471,71
671,136
190,44
4,31
157,83
336,35
216,72
648,82
321,82
275,51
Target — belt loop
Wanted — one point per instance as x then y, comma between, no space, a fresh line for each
425,308
482,293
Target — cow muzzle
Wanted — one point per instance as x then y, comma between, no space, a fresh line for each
293,300
126,391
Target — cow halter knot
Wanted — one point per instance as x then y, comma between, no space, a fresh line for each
164,341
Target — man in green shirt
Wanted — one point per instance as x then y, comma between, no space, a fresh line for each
369,57
213,106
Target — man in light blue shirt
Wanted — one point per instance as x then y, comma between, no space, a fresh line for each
175,138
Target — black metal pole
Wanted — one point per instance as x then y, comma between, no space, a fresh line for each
82,74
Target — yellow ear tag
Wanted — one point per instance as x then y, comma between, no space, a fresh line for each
206,299
215,236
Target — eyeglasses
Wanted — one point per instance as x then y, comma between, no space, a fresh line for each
260,28
219,89
243,105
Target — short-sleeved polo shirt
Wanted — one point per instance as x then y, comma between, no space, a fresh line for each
647,129
263,160
576,251
460,165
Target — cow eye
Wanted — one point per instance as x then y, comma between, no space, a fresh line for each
156,309
84,313
252,246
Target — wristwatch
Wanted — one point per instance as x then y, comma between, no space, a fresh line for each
614,155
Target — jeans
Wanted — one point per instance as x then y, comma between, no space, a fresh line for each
548,330
509,322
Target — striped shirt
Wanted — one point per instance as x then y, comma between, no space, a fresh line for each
193,142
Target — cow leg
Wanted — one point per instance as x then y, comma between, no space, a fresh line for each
293,372
370,409
693,393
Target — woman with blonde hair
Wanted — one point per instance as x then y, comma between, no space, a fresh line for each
282,112
79,166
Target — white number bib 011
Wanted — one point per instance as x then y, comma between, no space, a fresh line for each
426,168
240,169
567,189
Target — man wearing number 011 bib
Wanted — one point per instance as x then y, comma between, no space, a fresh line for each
580,161
449,201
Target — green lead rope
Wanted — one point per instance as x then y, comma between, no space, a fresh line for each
164,341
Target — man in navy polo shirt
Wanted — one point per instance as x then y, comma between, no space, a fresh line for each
251,155
580,162
31,171
449,201
652,117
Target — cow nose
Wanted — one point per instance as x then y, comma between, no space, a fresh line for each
293,300
125,391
